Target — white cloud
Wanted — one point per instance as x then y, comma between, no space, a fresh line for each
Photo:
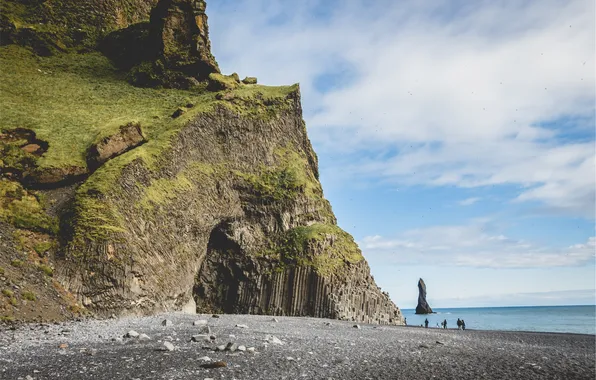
468,201
472,246
434,94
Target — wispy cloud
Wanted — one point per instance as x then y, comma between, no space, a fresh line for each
472,246
468,201
438,93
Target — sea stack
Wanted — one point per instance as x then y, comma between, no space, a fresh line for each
423,307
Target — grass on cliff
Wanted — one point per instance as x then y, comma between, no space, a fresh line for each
22,209
73,100
283,181
324,247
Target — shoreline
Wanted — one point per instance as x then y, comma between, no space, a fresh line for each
503,331
303,348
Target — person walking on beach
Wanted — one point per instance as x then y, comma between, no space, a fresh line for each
463,324
458,324
426,323
445,324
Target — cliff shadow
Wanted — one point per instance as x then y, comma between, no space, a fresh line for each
222,274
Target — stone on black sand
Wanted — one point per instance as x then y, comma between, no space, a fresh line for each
200,338
132,334
273,339
200,322
167,346
167,322
231,347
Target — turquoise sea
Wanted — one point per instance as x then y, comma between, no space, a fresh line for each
568,319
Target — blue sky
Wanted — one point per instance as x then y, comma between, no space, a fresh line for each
456,139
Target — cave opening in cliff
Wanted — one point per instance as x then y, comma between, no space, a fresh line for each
220,275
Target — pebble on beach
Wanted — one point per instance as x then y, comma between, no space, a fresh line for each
168,346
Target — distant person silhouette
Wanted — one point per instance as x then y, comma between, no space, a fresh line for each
463,324
426,323
458,324
406,321
445,324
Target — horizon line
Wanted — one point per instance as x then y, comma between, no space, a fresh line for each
509,306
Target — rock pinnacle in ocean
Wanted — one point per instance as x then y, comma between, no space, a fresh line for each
423,306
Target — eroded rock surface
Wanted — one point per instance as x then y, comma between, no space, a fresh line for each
235,219
171,50
181,28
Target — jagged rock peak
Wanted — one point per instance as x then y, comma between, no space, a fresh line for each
171,50
423,307
181,28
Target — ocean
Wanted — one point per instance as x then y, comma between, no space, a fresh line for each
564,319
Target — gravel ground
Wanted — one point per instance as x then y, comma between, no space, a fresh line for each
310,349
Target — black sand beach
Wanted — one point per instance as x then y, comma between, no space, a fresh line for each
305,348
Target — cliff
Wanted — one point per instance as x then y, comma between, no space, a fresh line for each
189,191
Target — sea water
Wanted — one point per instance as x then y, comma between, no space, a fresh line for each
564,319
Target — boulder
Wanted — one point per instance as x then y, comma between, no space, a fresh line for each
249,80
128,137
219,82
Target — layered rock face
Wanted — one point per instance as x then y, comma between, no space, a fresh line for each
234,221
215,205
423,307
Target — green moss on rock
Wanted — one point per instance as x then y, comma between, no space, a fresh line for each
326,248
220,82
283,181
22,209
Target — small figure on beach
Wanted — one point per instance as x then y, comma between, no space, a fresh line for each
458,324
463,324
426,323
406,321
445,324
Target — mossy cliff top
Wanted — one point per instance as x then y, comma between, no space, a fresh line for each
159,183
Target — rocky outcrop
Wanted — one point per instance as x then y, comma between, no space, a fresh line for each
172,50
128,137
234,220
181,31
423,307
232,281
